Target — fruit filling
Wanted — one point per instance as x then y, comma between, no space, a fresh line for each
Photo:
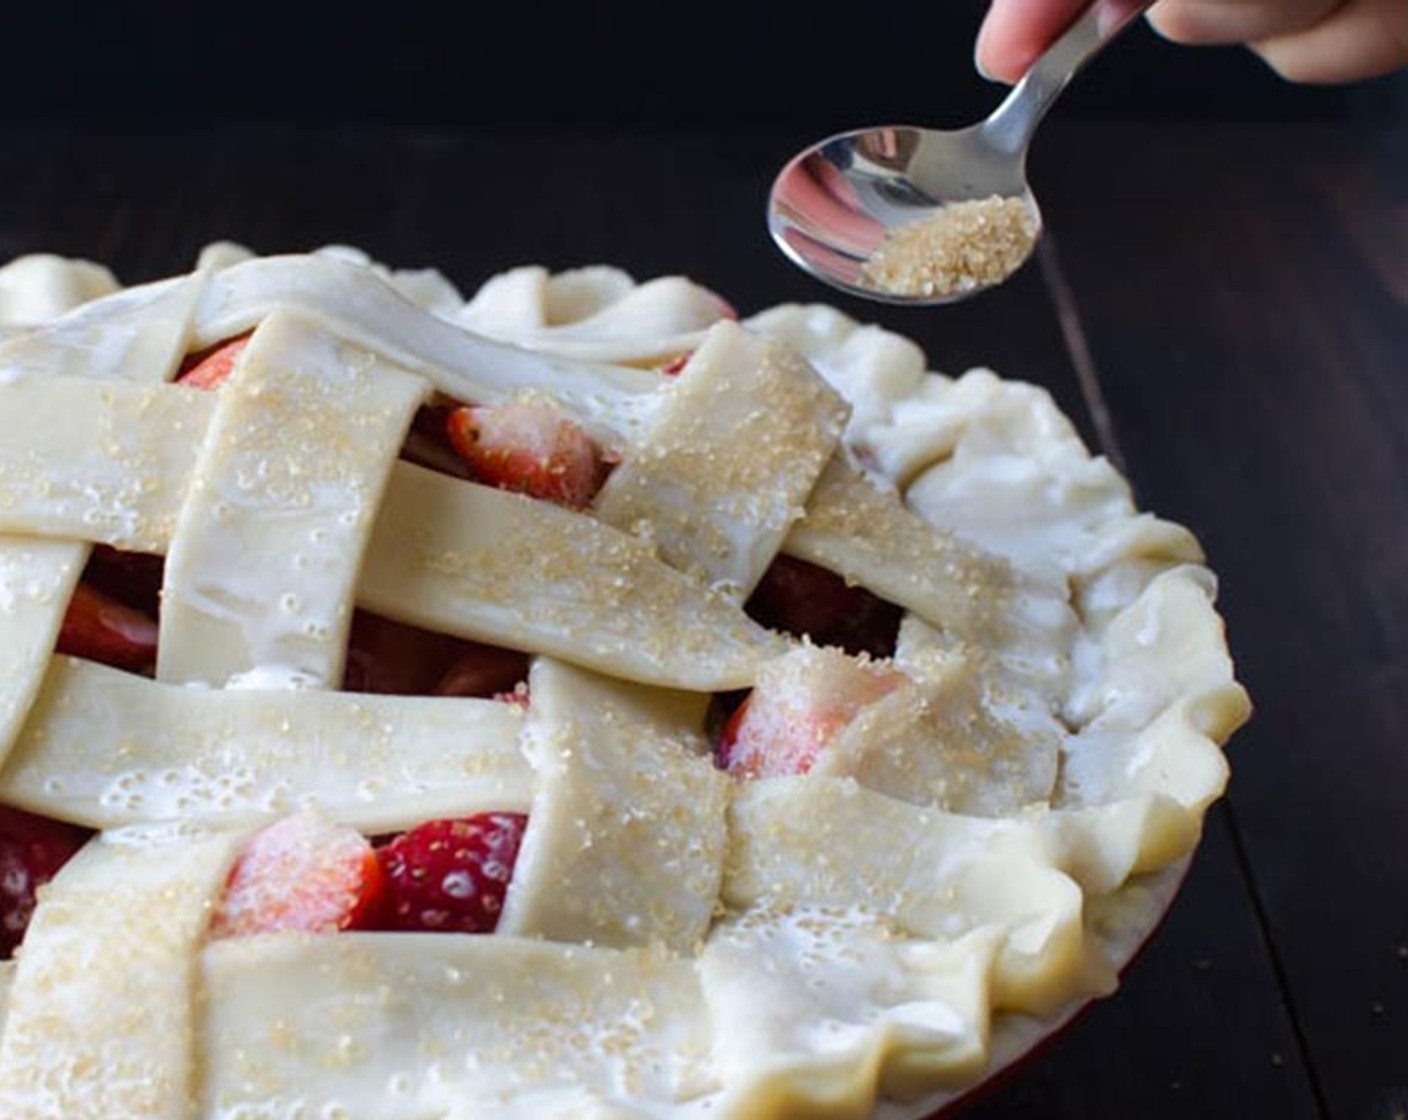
676,365
382,656
97,627
801,703
805,600
132,578
301,874
208,369
531,448
450,876
305,874
32,849
428,441
394,658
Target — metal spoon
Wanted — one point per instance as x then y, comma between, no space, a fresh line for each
836,207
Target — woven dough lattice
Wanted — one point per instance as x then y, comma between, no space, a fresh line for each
974,853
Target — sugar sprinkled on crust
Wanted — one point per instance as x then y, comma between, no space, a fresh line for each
792,944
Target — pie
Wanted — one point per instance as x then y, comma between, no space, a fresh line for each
569,702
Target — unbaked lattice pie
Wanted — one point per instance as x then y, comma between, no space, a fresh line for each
572,702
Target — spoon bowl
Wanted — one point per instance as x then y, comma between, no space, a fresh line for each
836,204
913,215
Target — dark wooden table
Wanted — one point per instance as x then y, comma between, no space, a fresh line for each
1225,313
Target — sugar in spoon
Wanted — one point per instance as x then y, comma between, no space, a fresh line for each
920,216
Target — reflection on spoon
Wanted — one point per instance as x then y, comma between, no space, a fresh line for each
914,215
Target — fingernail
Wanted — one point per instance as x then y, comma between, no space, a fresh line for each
978,42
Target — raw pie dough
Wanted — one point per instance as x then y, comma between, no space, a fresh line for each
977,855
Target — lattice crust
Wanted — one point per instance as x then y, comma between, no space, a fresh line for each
953,736
37,579
985,843
708,508
450,555
625,843
857,527
354,304
497,567
102,1014
106,749
283,495
137,336
400,1027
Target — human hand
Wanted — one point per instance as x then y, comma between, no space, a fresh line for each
1303,40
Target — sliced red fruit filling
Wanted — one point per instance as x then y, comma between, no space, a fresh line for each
97,627
32,849
428,441
302,874
382,656
676,364
450,876
208,369
484,671
529,447
132,578
397,659
806,600
112,618
305,874
801,703
518,697
526,446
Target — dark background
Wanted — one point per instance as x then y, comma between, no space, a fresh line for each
533,63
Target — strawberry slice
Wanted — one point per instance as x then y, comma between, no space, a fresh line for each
676,364
394,658
32,849
518,696
209,368
99,628
428,441
303,874
482,670
804,599
531,448
132,578
450,876
800,704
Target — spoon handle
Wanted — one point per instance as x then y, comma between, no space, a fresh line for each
1012,123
